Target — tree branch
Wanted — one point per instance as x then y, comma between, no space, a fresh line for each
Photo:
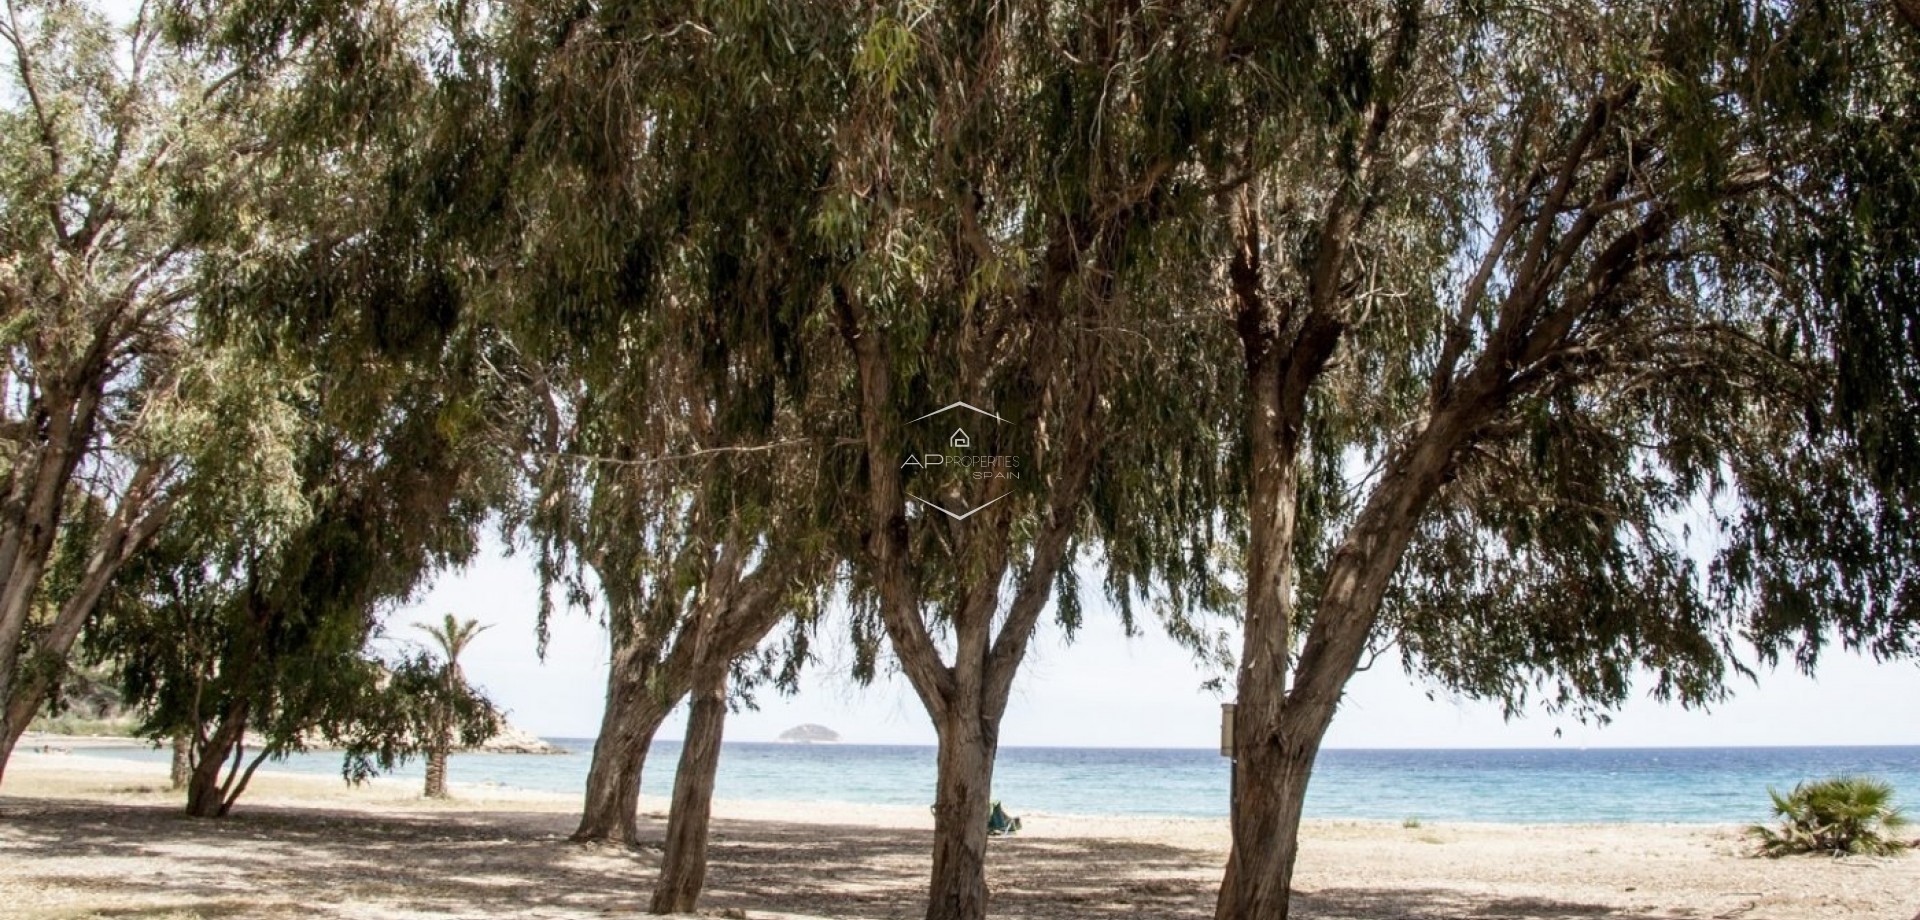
43,121
900,602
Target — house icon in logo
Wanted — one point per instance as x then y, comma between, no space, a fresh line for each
960,438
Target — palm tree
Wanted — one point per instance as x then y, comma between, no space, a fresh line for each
1842,816
452,636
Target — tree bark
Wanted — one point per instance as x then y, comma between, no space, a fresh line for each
634,712
1269,782
436,779
29,522
7,742
643,686
14,600
1279,728
963,802
683,868
1269,797
28,698
138,517
182,770
437,773
206,791
1282,364
18,713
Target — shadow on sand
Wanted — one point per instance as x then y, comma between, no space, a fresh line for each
149,861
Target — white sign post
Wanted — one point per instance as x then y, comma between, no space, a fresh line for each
1233,763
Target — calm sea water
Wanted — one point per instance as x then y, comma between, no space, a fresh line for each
1701,785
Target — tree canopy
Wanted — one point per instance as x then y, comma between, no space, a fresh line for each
1556,351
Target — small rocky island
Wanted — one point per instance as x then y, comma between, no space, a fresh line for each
810,734
513,739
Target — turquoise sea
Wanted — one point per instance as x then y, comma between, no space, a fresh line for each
1690,785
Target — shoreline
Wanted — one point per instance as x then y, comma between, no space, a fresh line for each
137,741
80,744
82,837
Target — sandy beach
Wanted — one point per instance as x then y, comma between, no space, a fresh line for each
91,837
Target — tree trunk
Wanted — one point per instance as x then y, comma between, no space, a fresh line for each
634,712
205,797
683,869
30,517
15,599
20,712
1269,796
29,697
967,699
1278,727
963,802
1278,378
206,792
437,772
1271,764
182,770
7,741
132,525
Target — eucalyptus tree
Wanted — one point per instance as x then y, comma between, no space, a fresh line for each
1519,304
1002,208
334,267
691,536
1859,241
227,631
689,585
397,459
695,564
109,148
739,603
558,159
650,299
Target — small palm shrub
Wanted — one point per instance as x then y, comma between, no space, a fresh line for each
1842,816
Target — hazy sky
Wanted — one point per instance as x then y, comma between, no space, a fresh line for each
1110,691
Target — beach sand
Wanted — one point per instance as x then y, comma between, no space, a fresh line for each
89,837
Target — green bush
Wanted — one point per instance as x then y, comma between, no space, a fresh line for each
1842,816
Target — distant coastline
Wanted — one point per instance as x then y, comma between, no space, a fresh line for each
510,740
